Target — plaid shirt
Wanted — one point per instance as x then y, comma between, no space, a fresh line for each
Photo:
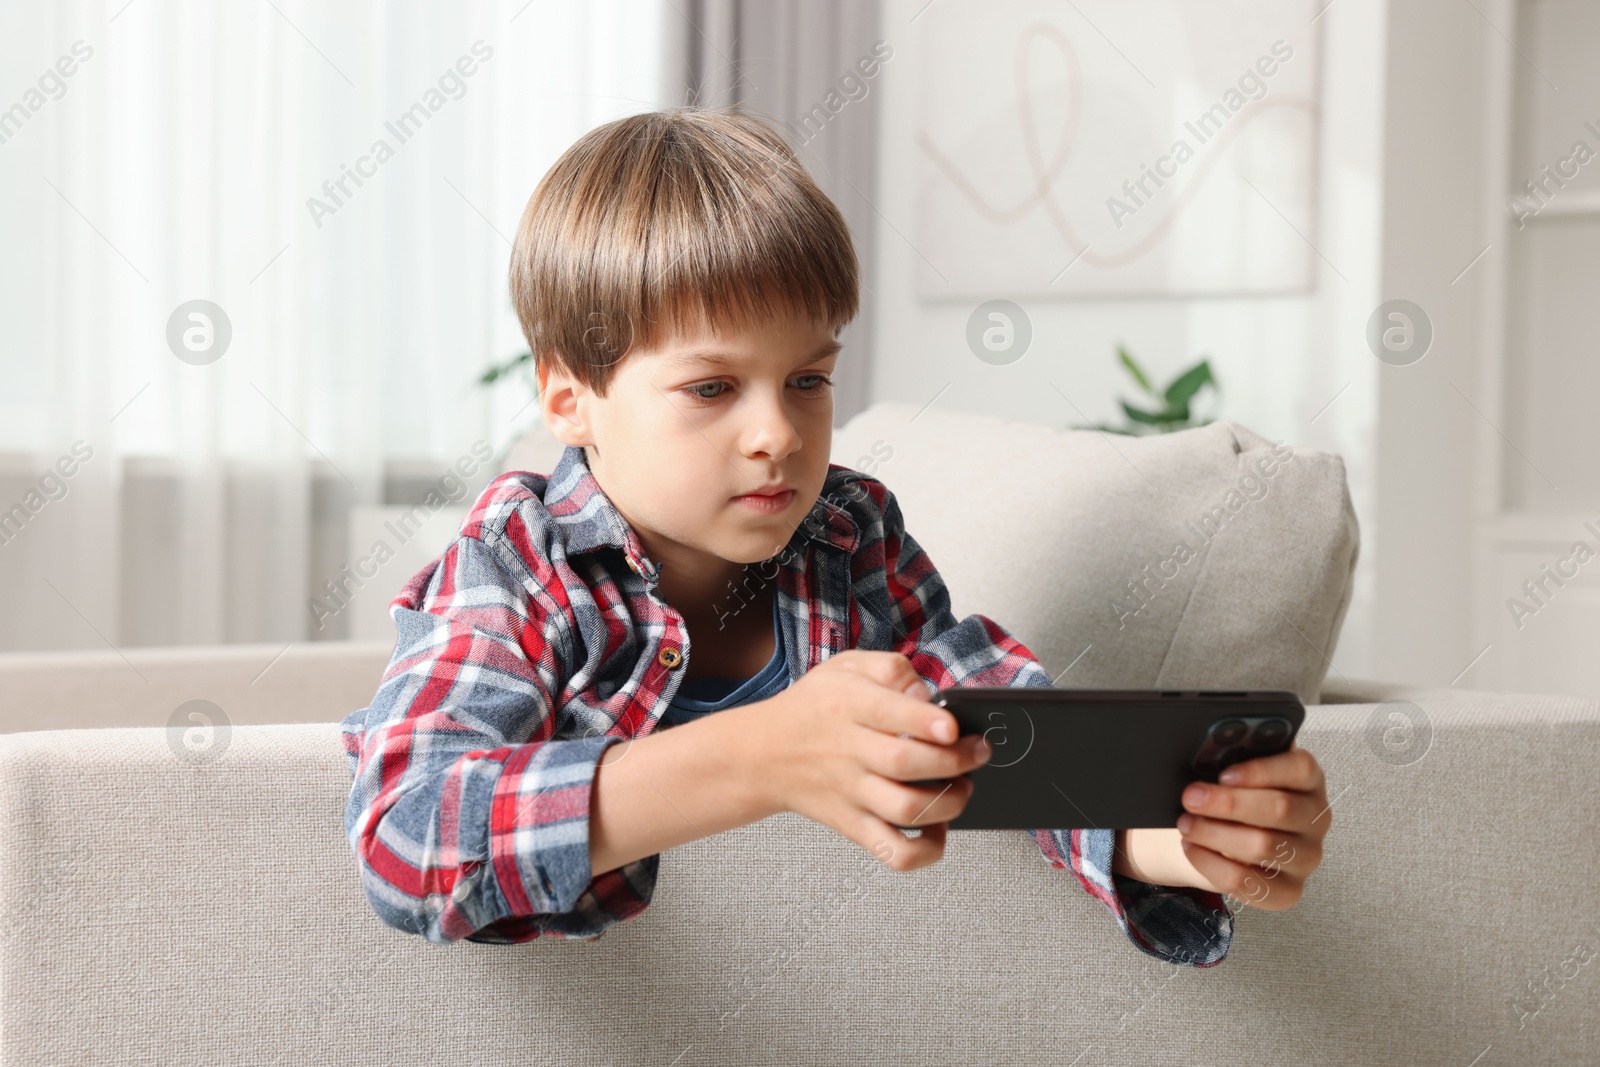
534,642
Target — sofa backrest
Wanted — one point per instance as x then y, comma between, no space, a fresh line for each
1206,558
167,911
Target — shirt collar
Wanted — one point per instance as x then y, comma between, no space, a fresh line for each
589,520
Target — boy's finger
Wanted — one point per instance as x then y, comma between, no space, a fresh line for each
894,849
906,716
1294,769
899,702
911,760
1254,846
889,669
1272,809
1239,881
938,801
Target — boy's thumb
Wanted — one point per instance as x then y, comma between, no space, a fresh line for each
917,689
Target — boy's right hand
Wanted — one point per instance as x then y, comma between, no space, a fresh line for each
834,753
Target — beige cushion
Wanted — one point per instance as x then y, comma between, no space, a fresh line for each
1044,530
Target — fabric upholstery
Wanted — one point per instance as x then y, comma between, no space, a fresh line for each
170,912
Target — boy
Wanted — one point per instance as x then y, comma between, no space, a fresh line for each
573,689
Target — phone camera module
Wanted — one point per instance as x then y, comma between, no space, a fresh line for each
1271,732
1228,732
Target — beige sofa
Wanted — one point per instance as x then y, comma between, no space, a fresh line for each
179,890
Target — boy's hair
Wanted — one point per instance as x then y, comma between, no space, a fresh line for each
657,223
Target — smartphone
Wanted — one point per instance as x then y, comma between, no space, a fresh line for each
1108,758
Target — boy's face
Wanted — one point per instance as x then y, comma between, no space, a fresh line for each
689,429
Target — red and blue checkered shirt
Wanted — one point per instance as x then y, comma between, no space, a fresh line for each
534,641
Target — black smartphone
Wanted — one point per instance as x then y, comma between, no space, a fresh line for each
1108,758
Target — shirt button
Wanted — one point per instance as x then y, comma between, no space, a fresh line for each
634,567
669,657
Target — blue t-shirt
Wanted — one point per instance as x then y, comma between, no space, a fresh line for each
697,697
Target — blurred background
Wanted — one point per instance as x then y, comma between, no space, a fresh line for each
253,276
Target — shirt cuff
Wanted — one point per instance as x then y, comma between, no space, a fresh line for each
539,850
1184,925
613,897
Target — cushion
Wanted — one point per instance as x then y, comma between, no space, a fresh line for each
1202,558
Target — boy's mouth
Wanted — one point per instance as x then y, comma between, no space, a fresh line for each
769,501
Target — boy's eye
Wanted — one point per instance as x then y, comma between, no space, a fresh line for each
694,390
806,383
817,382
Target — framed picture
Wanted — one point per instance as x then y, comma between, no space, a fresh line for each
1117,148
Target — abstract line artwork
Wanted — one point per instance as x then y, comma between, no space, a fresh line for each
1119,148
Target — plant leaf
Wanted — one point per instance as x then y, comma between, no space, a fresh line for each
1149,418
500,370
1187,384
1135,370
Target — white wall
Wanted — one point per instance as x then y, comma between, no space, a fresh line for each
1434,225
1281,359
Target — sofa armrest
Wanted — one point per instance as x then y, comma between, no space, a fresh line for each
1337,690
318,681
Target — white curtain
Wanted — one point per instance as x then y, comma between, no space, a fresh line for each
794,62
178,162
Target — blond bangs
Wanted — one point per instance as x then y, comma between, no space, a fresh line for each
657,224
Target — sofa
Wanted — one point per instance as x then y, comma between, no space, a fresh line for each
179,889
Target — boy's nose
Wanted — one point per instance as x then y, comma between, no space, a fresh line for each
773,433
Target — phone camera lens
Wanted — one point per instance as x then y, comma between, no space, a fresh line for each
1228,731
1228,757
1271,732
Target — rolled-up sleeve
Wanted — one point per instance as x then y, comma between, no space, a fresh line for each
468,816
1177,924
1184,925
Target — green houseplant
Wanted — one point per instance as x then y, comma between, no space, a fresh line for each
523,361
1174,404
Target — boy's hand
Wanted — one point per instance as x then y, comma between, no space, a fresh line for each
832,751
1258,838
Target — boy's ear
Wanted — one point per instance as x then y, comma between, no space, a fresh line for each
563,404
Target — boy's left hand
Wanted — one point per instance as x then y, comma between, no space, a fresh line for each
1258,838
